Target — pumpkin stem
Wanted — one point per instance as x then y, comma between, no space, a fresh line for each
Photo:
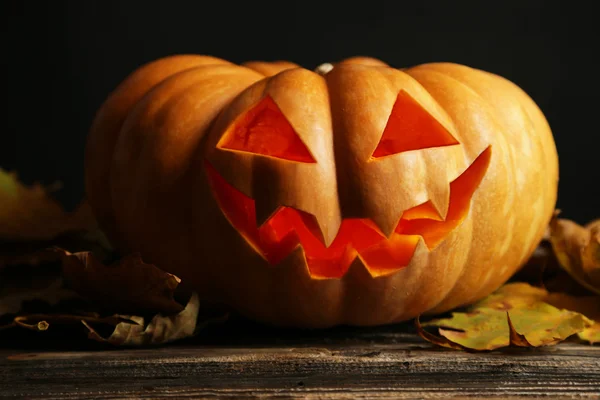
324,68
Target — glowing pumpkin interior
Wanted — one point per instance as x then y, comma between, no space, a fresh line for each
265,131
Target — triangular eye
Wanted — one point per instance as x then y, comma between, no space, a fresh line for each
264,130
411,127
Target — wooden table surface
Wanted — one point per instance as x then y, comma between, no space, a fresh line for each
245,360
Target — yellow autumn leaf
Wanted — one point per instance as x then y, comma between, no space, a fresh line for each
586,305
516,314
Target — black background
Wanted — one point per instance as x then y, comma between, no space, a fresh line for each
60,59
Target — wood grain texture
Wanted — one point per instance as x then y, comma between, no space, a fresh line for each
387,362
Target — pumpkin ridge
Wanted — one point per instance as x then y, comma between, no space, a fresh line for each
523,107
160,113
165,131
434,71
524,102
504,135
106,128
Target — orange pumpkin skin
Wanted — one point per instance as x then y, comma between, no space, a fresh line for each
187,143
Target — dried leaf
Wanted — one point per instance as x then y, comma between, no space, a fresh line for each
516,314
30,213
515,338
36,252
42,322
161,329
54,293
438,340
23,284
128,285
25,253
30,222
126,330
586,305
577,249
591,334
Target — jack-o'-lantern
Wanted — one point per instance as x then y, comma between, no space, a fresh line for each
361,195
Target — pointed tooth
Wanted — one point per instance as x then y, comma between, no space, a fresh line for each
373,299
359,268
328,227
386,224
440,199
311,222
388,294
358,271
420,254
321,298
266,189
264,211
293,267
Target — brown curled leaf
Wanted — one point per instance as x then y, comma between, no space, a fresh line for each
36,253
128,285
591,254
33,288
12,298
43,322
437,340
125,330
577,249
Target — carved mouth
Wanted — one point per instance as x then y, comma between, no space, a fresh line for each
289,228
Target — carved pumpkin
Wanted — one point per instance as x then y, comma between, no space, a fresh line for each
365,195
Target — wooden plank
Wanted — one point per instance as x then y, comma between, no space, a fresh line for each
386,362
